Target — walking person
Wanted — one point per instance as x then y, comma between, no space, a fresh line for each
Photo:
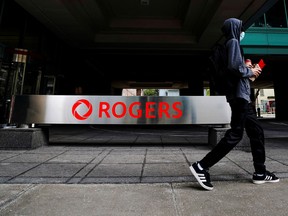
243,115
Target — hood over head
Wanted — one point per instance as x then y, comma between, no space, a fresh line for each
232,28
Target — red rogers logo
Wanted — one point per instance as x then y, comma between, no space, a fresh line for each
134,110
87,114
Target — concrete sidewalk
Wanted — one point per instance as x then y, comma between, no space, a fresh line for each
138,171
167,199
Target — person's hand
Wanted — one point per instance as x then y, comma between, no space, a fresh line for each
256,71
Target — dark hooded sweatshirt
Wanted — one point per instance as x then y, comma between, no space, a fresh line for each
238,73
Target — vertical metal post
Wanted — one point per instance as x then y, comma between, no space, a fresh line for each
1,10
38,82
19,59
138,92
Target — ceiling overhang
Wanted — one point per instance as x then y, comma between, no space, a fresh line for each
173,24
142,31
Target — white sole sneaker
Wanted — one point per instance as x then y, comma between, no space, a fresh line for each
200,177
264,181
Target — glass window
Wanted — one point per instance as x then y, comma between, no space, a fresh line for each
276,16
286,10
260,22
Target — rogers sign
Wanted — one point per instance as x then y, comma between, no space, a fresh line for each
77,104
148,109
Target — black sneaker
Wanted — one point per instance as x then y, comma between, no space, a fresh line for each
263,178
202,176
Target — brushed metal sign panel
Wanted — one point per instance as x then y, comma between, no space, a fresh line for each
66,109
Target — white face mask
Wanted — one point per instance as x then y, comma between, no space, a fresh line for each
242,35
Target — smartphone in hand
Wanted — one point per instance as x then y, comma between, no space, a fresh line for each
261,64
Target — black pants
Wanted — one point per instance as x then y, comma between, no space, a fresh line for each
243,116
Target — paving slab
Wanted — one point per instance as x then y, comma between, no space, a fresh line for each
79,174
228,198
